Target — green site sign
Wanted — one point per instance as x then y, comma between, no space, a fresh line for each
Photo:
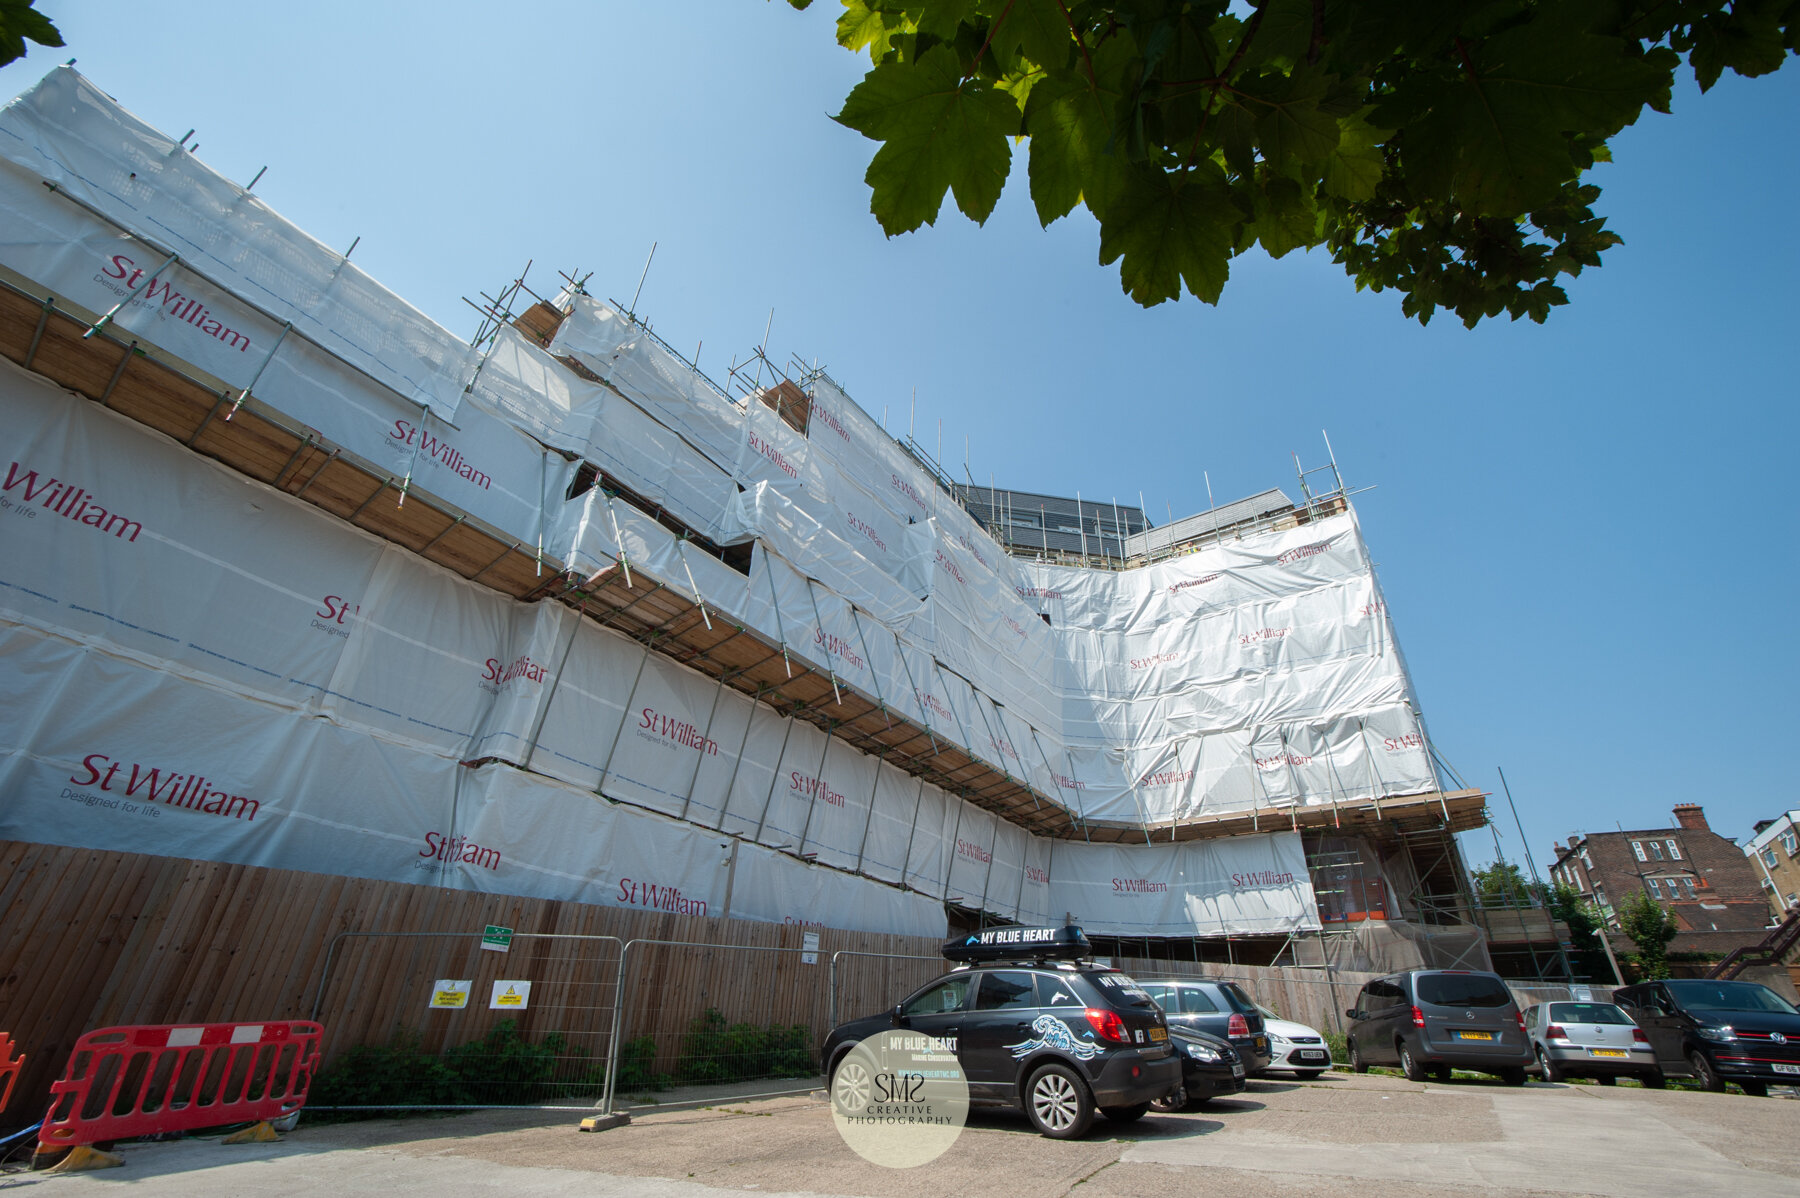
496,938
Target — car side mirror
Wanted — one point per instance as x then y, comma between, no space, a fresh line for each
1353,1014
898,1015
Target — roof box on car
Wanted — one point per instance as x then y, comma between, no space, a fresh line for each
1019,944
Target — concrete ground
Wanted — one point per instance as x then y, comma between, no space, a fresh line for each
1278,1139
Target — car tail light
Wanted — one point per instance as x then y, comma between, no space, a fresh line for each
1237,1026
1638,1036
1520,1017
1418,1017
1555,1032
1107,1025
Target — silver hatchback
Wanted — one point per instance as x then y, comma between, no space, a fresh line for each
1590,1039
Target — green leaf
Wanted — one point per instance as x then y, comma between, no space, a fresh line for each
940,18
1285,217
17,23
1495,136
939,132
1355,167
1171,229
1283,35
1035,30
860,27
1070,123
1292,127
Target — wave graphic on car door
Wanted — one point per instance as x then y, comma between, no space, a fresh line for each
1054,1033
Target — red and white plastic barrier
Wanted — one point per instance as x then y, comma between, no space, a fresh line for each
9,1068
123,1082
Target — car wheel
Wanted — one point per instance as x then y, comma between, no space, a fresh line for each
1357,1064
1549,1068
1170,1104
851,1084
1703,1070
1755,1089
1410,1065
1307,1075
1058,1102
1514,1076
1125,1114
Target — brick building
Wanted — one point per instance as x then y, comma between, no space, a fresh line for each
1714,890
1774,854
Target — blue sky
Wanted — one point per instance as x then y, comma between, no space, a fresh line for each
1581,527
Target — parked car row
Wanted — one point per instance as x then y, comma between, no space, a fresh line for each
1038,1026
1431,1021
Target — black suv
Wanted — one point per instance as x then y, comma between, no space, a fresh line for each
1718,1031
1218,1009
1430,1021
1037,1026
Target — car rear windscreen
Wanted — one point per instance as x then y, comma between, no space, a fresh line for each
1587,1012
1462,990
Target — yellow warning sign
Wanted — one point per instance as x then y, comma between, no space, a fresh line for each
510,995
450,993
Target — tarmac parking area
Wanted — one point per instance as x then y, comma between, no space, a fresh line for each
1278,1139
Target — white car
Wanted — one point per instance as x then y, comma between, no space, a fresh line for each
1294,1047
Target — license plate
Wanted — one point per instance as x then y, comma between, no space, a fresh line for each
1237,1071
1262,1044
1787,1068
1608,1052
1311,1054
1476,1035
1159,1034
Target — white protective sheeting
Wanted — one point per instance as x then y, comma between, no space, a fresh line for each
68,132
1254,672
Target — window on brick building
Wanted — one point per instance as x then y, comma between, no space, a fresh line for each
1790,843
1655,888
1689,882
1674,850
1656,850
1769,856
1637,846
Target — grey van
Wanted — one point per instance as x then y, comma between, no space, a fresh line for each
1430,1021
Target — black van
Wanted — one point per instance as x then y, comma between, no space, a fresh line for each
1718,1031
1430,1021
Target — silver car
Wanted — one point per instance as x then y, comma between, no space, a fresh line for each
1590,1039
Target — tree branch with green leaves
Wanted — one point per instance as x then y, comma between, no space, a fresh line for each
1436,147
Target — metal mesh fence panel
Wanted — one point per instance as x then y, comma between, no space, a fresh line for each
433,1020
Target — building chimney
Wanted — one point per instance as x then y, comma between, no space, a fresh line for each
1692,817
